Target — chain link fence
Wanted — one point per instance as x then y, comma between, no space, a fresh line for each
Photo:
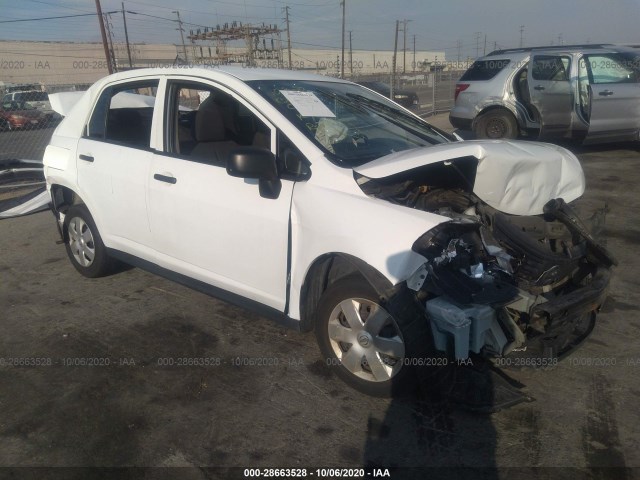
435,90
27,120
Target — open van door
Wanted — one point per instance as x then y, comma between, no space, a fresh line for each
550,92
614,92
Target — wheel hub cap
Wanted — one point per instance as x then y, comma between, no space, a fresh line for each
365,340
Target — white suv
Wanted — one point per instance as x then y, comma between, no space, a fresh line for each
589,93
327,206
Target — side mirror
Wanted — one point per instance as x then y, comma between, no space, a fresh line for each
258,163
295,165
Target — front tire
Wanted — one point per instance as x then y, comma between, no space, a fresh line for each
361,341
83,243
496,124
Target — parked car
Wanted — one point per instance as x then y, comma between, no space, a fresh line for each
34,99
14,115
326,206
590,93
405,98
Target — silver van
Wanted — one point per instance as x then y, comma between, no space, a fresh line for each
590,93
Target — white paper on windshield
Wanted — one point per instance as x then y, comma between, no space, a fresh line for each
307,104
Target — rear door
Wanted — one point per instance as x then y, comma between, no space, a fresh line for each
614,92
550,92
114,157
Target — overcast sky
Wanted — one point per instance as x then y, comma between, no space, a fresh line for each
439,26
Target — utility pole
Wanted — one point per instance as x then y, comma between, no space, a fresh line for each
560,42
104,37
126,36
280,59
350,54
414,53
521,36
477,34
484,52
286,12
404,46
184,47
393,63
108,27
344,7
458,46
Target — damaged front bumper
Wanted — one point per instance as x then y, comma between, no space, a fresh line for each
480,299
570,320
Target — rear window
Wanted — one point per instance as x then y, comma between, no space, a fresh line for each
484,70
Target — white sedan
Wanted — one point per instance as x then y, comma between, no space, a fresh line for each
324,205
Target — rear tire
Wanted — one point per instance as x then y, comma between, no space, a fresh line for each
84,245
363,342
496,124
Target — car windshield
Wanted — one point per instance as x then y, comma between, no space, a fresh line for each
348,122
15,106
377,86
31,97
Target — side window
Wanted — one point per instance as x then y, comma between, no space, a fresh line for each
123,114
550,68
484,70
611,68
205,124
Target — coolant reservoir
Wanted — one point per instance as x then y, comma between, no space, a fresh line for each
459,329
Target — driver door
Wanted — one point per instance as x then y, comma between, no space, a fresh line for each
206,224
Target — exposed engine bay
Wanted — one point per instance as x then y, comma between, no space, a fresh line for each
498,284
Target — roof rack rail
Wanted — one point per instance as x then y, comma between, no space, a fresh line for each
550,47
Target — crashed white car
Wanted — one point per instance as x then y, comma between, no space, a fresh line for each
325,205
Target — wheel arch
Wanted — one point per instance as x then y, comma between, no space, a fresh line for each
490,108
63,197
513,113
328,269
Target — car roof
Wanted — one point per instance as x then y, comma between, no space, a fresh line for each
522,53
572,48
244,74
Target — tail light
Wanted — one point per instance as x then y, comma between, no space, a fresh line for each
460,87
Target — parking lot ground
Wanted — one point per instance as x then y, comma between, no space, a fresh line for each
134,370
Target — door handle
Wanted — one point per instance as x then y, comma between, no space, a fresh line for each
538,87
86,158
165,178
605,93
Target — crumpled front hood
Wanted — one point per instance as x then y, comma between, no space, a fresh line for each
514,177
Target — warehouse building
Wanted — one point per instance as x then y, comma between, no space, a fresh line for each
54,65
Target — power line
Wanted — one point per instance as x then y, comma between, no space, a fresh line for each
54,18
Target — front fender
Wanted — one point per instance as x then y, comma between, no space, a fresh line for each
326,221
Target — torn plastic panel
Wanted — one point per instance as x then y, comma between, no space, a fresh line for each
475,305
22,188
